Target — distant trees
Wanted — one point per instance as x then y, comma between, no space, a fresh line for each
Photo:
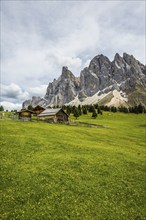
91,108
68,109
94,113
95,109
99,110
76,112
140,108
84,110
137,109
123,109
105,108
80,110
1,108
113,109
30,107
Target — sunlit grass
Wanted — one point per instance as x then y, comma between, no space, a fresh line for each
51,171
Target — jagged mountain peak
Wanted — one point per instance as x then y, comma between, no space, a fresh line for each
126,75
117,57
100,57
66,73
129,58
98,61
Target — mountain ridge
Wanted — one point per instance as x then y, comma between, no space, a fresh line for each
118,82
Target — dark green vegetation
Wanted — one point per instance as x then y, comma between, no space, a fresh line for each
1,108
54,172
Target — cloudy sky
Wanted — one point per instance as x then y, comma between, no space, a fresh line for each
39,37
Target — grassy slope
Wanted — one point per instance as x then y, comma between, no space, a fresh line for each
73,172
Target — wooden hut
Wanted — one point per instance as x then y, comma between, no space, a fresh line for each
54,115
38,109
25,115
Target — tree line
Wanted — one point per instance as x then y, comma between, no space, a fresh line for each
95,109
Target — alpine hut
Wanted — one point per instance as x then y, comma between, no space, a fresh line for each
38,109
25,115
53,115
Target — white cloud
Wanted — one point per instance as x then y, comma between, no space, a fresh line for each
58,58
40,37
13,92
86,64
38,91
11,106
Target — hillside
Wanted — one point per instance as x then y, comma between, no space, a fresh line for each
90,173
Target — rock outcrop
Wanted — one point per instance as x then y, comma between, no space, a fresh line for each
34,102
64,89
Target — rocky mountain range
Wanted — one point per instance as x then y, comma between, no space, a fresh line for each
121,82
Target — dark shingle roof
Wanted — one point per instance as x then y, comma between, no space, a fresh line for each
38,106
25,110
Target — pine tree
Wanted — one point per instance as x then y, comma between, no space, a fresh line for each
73,109
94,114
96,106
135,109
68,110
140,108
107,108
99,110
91,108
113,109
79,110
1,108
30,107
63,107
76,113
84,109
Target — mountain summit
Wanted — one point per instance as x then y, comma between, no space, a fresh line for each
116,83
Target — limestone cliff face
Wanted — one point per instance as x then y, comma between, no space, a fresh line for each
126,75
97,76
64,89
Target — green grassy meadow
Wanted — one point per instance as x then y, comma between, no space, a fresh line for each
74,172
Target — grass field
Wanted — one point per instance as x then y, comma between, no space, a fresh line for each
69,172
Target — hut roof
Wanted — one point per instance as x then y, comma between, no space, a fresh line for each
38,106
25,110
51,111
